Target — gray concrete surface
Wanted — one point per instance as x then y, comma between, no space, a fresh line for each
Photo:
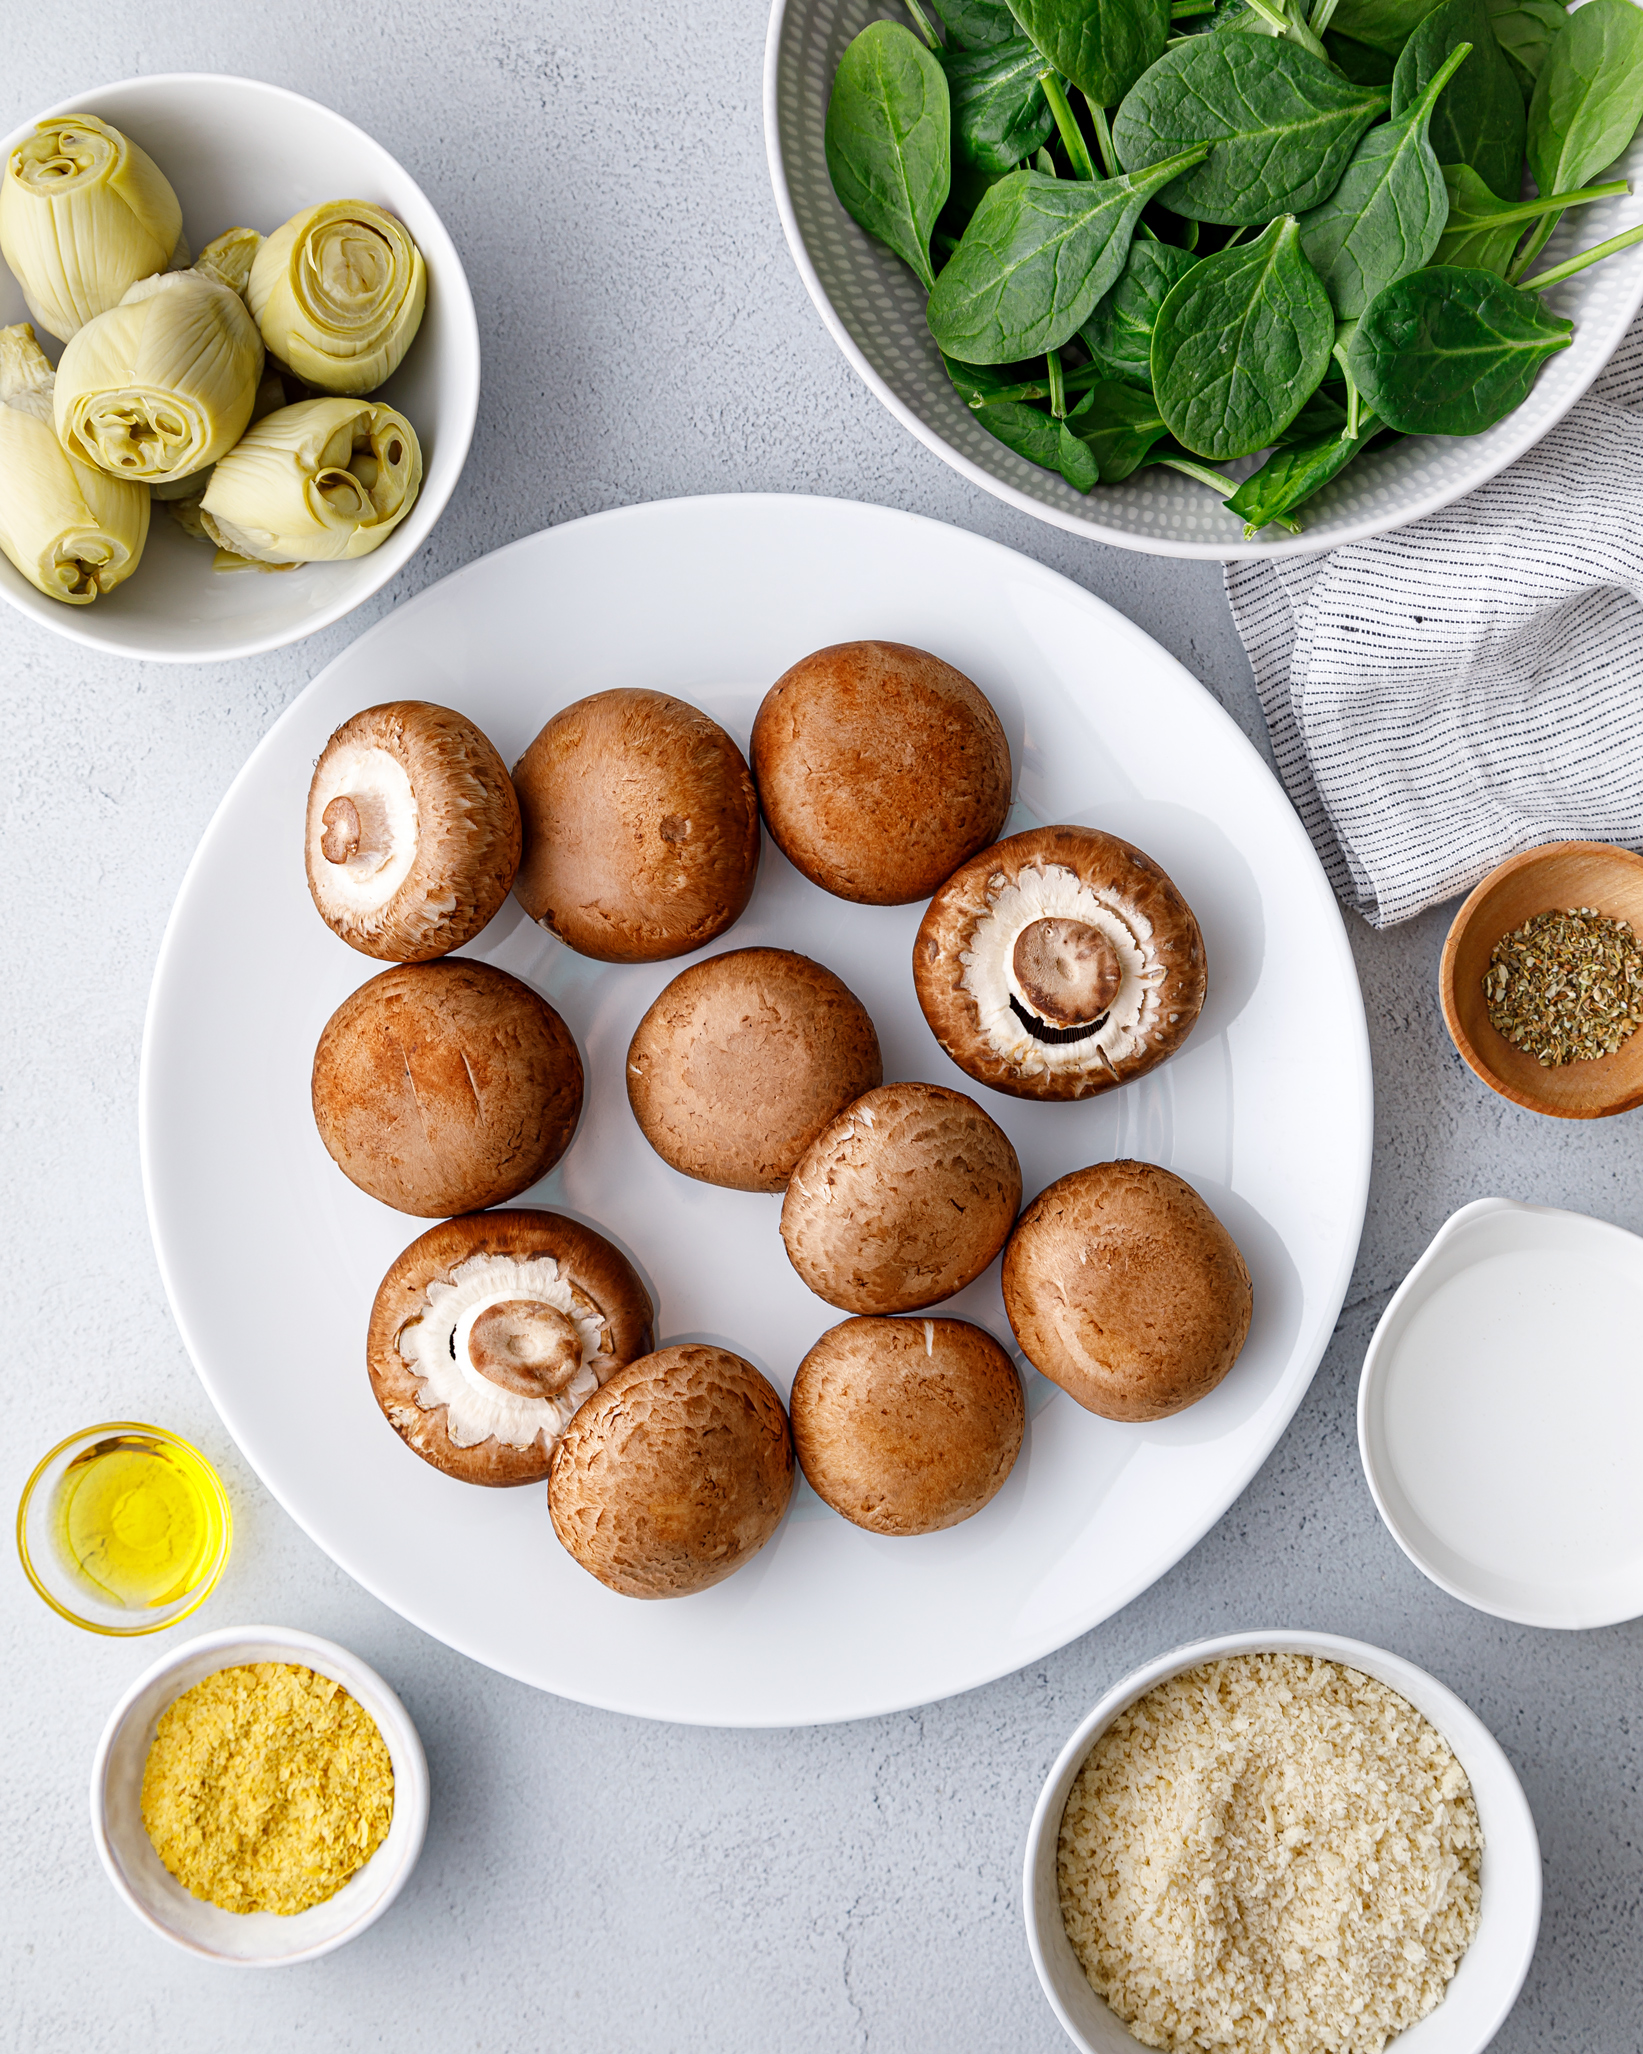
592,1882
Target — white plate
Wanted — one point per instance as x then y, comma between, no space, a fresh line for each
271,1257
1500,1414
874,309
239,152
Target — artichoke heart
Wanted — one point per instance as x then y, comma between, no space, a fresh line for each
72,531
84,214
327,479
338,293
164,383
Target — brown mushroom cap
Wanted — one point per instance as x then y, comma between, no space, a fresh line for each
641,827
902,1200
743,1060
1059,966
601,1278
446,1087
907,1425
880,769
673,1475
1125,1289
466,832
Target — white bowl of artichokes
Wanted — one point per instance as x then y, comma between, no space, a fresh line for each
239,367
1305,192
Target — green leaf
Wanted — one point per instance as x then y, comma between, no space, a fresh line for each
1451,351
1000,114
1119,425
976,24
1025,430
1524,30
1118,333
1292,474
1385,217
1589,97
1483,230
1075,460
1103,46
984,385
1241,344
1035,259
1361,63
1281,124
887,140
1479,117
1382,24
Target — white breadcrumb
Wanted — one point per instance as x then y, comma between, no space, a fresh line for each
1271,1854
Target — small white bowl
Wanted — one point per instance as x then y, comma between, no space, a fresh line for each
1500,1417
1491,1971
243,154
258,1939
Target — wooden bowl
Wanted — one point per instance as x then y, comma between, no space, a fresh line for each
1562,875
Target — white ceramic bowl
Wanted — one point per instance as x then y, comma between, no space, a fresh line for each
258,1939
874,307
1491,1971
241,153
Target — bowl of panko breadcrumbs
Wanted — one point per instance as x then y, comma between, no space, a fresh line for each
259,1796
1282,1843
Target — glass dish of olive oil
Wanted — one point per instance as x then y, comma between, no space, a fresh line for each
124,1528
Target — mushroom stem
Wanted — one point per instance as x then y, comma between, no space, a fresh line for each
1068,970
342,831
526,1347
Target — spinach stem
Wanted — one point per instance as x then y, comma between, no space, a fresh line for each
1235,236
1535,242
1217,481
1322,14
1180,9
1595,255
1274,17
1058,387
1072,136
1531,210
923,20
1103,136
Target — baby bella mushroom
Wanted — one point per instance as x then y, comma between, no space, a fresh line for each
413,831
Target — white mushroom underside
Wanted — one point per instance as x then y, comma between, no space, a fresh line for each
1057,893
382,796
435,1346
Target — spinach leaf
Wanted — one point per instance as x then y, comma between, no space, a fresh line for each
1281,124
1384,218
1000,114
1119,425
1524,30
1382,24
889,153
1075,459
976,24
1241,344
1479,117
1483,231
1292,474
1451,351
1362,64
1320,417
1118,333
1035,259
1589,96
1103,46
1050,444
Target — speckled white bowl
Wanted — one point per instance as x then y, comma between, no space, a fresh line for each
874,307
1491,1971
242,153
258,1939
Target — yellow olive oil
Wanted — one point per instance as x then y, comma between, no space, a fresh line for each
136,1520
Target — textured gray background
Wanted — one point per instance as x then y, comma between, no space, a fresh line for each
590,1881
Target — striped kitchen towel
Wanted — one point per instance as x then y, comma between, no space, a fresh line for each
1470,685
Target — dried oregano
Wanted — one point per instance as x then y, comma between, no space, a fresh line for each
1566,987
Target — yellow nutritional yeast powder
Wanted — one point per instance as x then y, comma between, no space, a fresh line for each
267,1786
135,1520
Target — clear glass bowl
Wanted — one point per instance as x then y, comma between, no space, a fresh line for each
124,1528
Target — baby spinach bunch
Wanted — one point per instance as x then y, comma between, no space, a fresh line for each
1190,232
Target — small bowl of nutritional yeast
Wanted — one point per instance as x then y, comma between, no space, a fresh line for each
1542,977
1210,1850
259,1797
124,1528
